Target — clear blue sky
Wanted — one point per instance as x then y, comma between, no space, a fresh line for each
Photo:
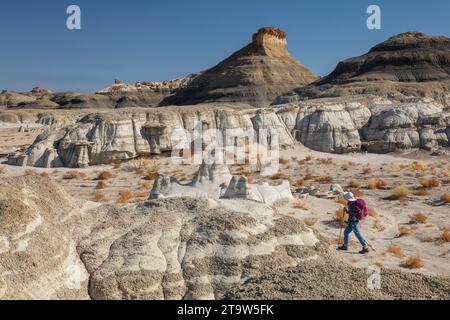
139,40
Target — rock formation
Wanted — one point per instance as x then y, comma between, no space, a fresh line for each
256,74
54,247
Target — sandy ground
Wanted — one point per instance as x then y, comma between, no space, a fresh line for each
132,182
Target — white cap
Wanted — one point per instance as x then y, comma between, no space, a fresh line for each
349,196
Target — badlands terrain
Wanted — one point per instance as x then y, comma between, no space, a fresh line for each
93,206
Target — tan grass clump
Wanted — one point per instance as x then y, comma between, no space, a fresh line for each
340,216
74,175
284,161
418,218
445,236
396,251
367,170
300,204
124,196
358,193
414,262
404,231
341,200
376,183
399,192
354,184
99,197
445,197
418,166
422,192
105,175
44,174
100,185
2,169
373,213
429,183
310,221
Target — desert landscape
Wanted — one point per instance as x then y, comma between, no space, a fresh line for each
93,204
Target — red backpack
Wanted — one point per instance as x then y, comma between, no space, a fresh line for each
362,211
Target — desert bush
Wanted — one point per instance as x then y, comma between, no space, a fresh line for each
140,195
354,184
30,172
341,200
445,236
422,192
418,218
404,231
373,213
104,175
340,216
324,178
298,183
358,193
367,170
399,192
300,204
278,176
376,183
99,197
429,183
310,221
309,176
418,166
74,175
326,160
395,250
378,225
44,174
284,161
345,167
2,169
117,165
124,196
413,263
100,185
445,197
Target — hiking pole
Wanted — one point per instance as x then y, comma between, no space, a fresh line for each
340,235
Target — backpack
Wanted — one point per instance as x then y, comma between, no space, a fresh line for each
362,211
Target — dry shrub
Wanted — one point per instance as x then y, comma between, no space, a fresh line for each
309,176
376,184
373,213
395,250
354,184
117,165
445,181
284,161
99,197
124,196
300,204
310,221
30,172
74,175
345,167
2,169
140,195
413,263
404,231
427,239
422,192
44,174
308,158
399,192
324,178
418,166
104,175
278,176
340,216
326,161
367,170
429,183
378,225
445,236
100,185
418,218
341,200
145,185
445,197
358,193
298,183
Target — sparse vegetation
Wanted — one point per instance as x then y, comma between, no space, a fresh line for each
418,218
418,166
284,161
422,192
373,213
376,184
358,193
300,204
378,225
429,183
395,250
310,221
104,175
445,236
2,169
124,196
445,197
341,200
74,175
44,174
367,170
414,262
100,185
404,231
99,197
354,184
340,216
399,192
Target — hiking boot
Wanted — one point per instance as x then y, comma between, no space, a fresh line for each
364,250
343,248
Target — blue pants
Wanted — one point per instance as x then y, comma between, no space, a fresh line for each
355,229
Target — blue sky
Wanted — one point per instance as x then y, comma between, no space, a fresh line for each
139,40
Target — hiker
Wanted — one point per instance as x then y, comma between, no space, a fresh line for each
356,210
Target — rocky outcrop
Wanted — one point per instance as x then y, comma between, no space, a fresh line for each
108,137
256,74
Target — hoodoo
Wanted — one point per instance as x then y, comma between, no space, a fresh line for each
256,74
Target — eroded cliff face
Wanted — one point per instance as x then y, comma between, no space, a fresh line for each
328,125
